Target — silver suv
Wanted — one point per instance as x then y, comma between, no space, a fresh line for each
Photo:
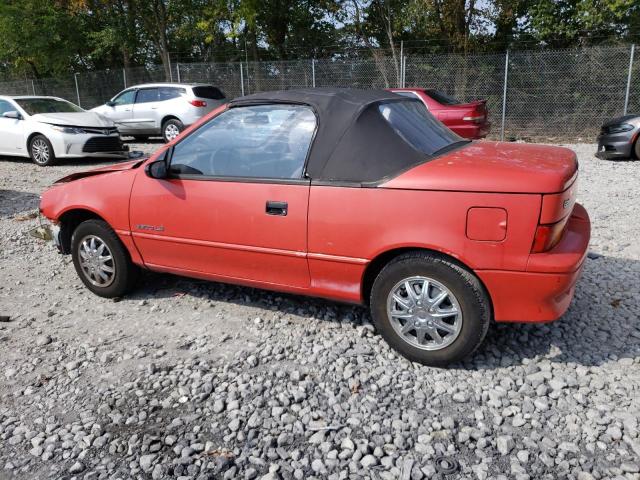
160,108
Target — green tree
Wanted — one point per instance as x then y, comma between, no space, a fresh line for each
40,37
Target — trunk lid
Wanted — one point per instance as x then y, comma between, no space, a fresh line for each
495,167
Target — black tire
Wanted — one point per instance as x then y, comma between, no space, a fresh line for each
636,148
168,129
472,300
125,271
41,151
141,138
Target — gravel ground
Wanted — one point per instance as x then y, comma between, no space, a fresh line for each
194,380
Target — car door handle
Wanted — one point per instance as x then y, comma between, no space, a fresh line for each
277,208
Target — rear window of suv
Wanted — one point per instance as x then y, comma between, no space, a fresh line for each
208,91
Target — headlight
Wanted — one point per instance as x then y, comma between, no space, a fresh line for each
623,127
67,129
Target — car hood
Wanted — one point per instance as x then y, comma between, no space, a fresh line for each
74,119
634,119
119,167
496,167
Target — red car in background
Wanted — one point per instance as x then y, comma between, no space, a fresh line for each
353,195
469,120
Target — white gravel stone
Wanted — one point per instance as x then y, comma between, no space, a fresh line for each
179,380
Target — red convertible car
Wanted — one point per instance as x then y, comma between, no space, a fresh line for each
469,120
357,196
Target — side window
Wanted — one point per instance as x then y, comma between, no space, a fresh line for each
125,98
6,107
266,141
167,93
147,95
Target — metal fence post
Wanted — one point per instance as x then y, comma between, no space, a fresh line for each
313,72
241,80
504,95
626,96
178,72
75,78
404,71
401,80
33,87
124,77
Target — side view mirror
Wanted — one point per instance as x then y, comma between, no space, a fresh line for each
110,103
12,114
157,169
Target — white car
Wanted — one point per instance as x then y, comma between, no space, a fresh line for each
48,128
160,108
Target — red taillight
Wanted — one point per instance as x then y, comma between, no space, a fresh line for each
198,103
548,236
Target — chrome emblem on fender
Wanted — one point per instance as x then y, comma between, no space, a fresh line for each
153,228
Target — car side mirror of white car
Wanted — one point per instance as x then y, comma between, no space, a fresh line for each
12,114
110,104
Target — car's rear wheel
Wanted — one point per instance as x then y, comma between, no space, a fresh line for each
636,148
171,129
101,260
430,309
41,151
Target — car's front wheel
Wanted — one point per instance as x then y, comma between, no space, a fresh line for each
41,151
101,260
430,309
171,129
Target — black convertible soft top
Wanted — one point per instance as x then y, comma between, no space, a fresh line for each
354,143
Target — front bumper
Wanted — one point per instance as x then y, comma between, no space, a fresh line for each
614,146
89,145
544,291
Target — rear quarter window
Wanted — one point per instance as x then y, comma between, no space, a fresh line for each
208,91
413,122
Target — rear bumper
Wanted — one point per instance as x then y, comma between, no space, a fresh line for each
543,292
615,146
472,131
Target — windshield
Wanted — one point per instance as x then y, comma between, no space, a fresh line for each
34,106
413,122
442,98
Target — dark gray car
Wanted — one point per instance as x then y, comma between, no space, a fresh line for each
618,138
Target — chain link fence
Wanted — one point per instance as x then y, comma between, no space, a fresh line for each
553,95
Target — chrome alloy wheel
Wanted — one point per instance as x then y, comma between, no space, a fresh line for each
96,261
425,313
171,131
40,151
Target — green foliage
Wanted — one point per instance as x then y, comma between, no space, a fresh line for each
50,37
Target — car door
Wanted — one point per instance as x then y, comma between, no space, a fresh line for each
12,141
235,203
120,109
146,110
